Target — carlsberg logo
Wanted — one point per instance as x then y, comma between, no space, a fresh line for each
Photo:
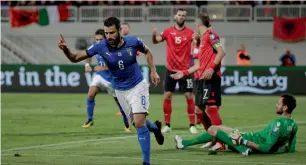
250,83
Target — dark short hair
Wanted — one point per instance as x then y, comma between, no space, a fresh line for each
111,21
180,9
100,32
290,101
205,20
125,23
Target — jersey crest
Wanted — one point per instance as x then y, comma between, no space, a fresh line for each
129,50
212,36
276,129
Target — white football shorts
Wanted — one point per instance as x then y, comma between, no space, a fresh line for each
134,100
100,82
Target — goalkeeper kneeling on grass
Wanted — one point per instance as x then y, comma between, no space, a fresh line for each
278,135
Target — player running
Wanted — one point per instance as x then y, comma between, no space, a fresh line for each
278,135
206,67
130,87
125,31
101,81
179,39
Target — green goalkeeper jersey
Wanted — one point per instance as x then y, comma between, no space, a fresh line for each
278,133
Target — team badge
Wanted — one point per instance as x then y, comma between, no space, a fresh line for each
139,39
129,51
119,54
212,36
275,129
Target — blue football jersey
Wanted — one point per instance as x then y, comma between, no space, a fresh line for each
121,62
105,74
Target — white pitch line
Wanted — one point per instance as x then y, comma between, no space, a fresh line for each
166,159
104,139
65,143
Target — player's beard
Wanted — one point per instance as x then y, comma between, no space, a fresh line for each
279,111
114,42
180,24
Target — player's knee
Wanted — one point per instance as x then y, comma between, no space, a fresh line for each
212,130
138,124
198,110
188,95
91,95
139,120
168,95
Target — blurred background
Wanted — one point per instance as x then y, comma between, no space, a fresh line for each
256,35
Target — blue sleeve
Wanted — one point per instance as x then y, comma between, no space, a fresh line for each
140,46
92,50
293,59
281,58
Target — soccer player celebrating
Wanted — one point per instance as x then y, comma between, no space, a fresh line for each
208,84
132,91
179,39
278,135
125,31
101,80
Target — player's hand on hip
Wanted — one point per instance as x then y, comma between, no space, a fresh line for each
155,78
100,68
88,69
178,75
62,43
208,74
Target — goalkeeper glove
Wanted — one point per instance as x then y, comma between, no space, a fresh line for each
237,139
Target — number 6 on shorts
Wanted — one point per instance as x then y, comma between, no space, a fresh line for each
143,100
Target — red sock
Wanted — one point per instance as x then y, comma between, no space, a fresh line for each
212,112
199,117
190,111
200,120
167,111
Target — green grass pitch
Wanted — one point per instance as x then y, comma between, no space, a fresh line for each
45,129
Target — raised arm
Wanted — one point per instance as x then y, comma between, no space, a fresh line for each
156,38
72,56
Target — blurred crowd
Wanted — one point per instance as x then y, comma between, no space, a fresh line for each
260,2
147,2
97,2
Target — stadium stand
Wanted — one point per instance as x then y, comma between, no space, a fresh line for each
36,48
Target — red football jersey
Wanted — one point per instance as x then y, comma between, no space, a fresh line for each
209,42
195,53
178,48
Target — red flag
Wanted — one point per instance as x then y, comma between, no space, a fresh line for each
21,17
289,29
64,12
